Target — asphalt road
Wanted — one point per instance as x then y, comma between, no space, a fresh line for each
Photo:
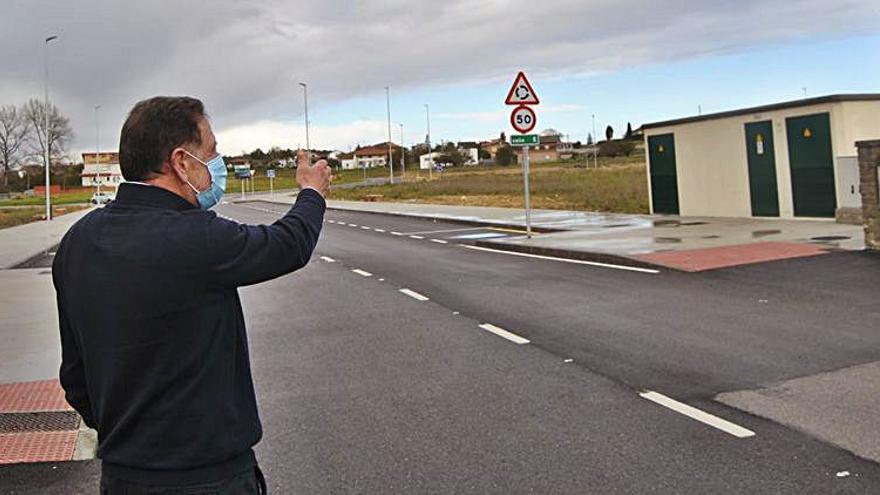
364,388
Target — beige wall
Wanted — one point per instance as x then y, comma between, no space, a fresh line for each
712,165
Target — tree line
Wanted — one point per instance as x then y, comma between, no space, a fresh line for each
24,137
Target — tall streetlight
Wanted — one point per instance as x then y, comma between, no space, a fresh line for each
306,102
97,150
402,155
388,108
595,143
430,156
46,121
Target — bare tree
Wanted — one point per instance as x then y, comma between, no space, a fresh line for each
13,134
59,133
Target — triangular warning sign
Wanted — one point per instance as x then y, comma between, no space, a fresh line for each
521,93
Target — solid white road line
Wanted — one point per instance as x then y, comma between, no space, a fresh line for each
416,237
362,273
439,241
413,294
694,413
564,260
504,333
379,230
444,231
328,259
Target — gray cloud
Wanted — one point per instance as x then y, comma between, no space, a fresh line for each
244,58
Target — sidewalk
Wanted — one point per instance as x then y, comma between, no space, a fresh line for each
36,423
20,243
689,244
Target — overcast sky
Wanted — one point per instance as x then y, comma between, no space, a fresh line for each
244,59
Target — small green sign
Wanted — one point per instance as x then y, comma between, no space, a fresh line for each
523,139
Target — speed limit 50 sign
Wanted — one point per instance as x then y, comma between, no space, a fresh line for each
523,119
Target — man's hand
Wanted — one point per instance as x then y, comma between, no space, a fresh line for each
317,176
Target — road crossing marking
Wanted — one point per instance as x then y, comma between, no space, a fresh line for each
697,414
328,259
416,237
516,339
362,273
564,260
439,241
413,294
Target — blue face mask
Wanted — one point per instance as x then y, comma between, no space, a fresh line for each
212,195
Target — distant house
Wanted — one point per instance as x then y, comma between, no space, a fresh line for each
101,169
492,146
550,148
435,157
368,156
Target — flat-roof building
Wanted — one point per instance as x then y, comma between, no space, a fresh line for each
791,159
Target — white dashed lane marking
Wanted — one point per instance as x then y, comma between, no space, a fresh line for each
362,273
697,414
439,241
413,294
504,333
328,259
416,237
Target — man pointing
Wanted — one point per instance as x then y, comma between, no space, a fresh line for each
154,347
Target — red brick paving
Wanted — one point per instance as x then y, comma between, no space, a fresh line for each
46,395
37,446
697,260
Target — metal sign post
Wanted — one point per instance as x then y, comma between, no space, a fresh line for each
526,186
523,120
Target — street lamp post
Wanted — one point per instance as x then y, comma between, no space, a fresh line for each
97,150
388,108
430,157
306,103
595,143
46,122
402,155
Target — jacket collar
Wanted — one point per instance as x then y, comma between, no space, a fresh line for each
147,195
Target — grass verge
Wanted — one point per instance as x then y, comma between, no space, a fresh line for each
621,188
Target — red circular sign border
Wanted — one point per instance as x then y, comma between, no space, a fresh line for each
534,119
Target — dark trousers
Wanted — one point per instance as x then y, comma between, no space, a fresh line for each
247,483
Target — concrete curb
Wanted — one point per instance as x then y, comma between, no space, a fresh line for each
478,223
86,443
576,255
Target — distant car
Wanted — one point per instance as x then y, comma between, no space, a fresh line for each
101,198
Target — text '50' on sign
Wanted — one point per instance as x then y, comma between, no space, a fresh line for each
523,119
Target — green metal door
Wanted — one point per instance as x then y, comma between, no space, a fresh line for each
664,181
812,165
762,169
